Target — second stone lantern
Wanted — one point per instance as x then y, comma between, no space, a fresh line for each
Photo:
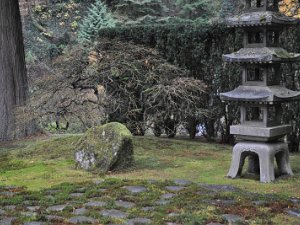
260,96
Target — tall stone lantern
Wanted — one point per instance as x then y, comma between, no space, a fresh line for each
260,96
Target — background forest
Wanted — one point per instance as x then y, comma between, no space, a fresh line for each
145,63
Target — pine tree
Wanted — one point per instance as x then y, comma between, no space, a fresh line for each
98,17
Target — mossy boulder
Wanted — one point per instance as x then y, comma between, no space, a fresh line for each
105,148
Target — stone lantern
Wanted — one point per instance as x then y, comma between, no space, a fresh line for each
260,96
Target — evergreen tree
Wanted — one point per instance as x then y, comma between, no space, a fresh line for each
98,17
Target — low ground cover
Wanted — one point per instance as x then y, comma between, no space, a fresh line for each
45,168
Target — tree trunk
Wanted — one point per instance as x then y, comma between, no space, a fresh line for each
13,78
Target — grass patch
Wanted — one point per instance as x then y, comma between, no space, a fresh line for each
44,163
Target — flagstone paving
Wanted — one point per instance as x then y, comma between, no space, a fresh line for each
115,201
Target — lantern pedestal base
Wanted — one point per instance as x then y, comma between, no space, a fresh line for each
261,159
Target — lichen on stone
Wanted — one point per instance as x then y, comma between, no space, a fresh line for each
104,148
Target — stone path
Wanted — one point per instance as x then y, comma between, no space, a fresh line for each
116,201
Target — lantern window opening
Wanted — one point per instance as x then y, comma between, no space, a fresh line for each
255,37
255,74
255,114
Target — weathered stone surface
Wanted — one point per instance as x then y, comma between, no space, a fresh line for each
124,204
7,194
82,219
295,200
56,208
95,204
231,218
7,220
135,189
104,148
218,188
294,212
162,202
2,212
139,221
167,196
114,213
182,182
53,218
10,207
76,195
34,223
175,188
80,211
148,208
33,208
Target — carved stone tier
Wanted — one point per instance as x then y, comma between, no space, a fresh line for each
261,94
257,133
265,152
262,18
262,55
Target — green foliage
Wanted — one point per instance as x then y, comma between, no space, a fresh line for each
98,17
193,9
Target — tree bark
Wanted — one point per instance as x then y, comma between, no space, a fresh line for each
13,77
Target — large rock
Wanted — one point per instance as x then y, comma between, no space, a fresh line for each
104,148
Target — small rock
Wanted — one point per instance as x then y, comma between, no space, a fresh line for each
10,207
7,220
114,213
294,212
231,218
98,182
139,221
82,219
7,194
124,204
56,208
76,195
29,214
175,188
167,196
80,211
162,202
95,204
53,218
33,208
2,212
135,189
295,200
173,214
148,208
34,223
259,202
182,182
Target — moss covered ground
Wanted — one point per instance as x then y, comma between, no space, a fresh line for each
47,163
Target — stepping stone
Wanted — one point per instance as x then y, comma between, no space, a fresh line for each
295,200
225,188
175,188
95,204
52,218
50,192
98,182
124,204
214,224
2,212
162,202
82,219
294,212
33,208
56,208
34,223
139,221
7,220
148,208
222,202
76,195
259,202
135,189
231,218
182,182
173,214
80,211
113,213
7,194
167,196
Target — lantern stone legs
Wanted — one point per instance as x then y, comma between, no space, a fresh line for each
262,154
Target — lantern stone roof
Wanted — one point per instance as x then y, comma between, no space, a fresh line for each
262,94
260,18
262,55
